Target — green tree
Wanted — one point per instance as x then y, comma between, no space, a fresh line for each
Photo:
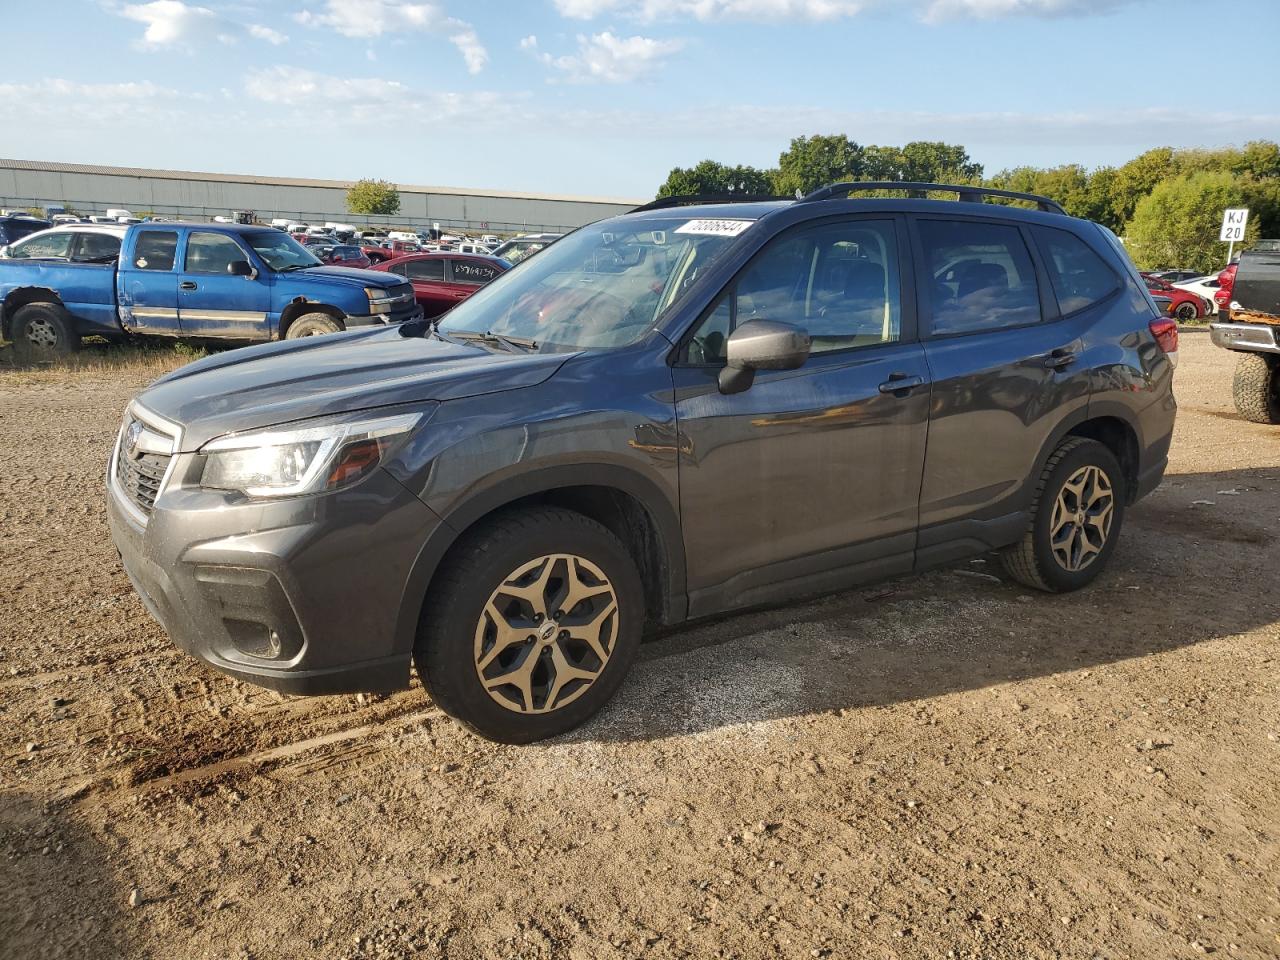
1177,224
710,177
813,162
373,197
1137,178
931,161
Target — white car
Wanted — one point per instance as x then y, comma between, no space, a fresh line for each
74,243
1203,287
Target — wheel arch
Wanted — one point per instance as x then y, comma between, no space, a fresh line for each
632,506
301,306
19,297
1111,425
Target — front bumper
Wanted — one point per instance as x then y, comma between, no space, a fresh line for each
383,319
300,595
1256,337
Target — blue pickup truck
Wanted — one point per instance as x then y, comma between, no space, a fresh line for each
197,280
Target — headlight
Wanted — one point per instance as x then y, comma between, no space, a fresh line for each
288,463
380,298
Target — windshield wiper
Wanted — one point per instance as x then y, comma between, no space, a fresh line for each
511,344
299,266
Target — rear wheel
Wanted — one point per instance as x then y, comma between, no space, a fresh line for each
1256,388
1075,521
532,625
312,325
43,331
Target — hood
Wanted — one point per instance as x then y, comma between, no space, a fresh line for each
349,276
276,383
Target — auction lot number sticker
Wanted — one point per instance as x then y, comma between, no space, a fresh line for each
715,228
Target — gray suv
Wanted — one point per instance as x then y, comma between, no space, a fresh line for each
667,415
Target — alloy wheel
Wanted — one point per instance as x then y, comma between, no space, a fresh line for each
1081,519
546,633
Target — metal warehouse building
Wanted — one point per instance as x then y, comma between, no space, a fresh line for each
92,189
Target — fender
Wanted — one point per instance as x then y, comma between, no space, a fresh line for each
481,504
1095,410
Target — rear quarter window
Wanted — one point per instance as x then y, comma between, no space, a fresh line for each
1080,277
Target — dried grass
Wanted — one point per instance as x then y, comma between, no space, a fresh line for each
145,361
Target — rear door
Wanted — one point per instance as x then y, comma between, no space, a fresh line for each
468,275
1006,371
148,282
213,302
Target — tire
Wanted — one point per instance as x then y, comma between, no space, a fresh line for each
1256,388
460,635
43,331
312,325
1040,562
1187,311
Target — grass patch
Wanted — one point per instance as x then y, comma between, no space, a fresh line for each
144,359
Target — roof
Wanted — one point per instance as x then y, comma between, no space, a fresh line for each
292,181
715,211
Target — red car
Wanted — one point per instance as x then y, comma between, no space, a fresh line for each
345,255
1186,305
1226,281
442,280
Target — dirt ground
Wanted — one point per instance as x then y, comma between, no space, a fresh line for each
941,766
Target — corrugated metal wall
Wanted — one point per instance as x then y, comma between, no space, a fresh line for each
88,189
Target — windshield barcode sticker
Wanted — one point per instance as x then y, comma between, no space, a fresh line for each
715,228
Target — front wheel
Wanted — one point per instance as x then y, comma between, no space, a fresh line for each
1186,311
1075,520
532,624
43,331
312,325
1256,388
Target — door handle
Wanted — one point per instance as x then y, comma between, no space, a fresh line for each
187,285
1059,358
900,384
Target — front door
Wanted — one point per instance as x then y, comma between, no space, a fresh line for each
213,302
810,479
148,283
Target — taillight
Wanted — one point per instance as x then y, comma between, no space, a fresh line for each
1165,330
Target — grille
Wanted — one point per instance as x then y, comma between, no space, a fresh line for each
140,467
139,479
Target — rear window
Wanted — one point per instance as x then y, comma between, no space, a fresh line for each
1079,276
155,250
981,276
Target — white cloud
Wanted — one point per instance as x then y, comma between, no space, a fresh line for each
172,23
649,10
340,99
605,58
826,10
370,19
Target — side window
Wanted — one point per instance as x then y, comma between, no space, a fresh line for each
212,253
838,282
980,276
155,250
1079,276
49,246
425,269
473,271
97,248
397,268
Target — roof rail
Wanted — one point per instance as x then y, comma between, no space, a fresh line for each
968,193
662,203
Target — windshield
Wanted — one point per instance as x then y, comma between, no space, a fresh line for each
600,287
280,251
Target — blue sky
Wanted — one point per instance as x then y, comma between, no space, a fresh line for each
603,97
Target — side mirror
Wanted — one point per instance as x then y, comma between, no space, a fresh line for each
761,345
241,268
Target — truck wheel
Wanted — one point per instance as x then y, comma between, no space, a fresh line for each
1256,388
312,325
1075,519
531,626
43,331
